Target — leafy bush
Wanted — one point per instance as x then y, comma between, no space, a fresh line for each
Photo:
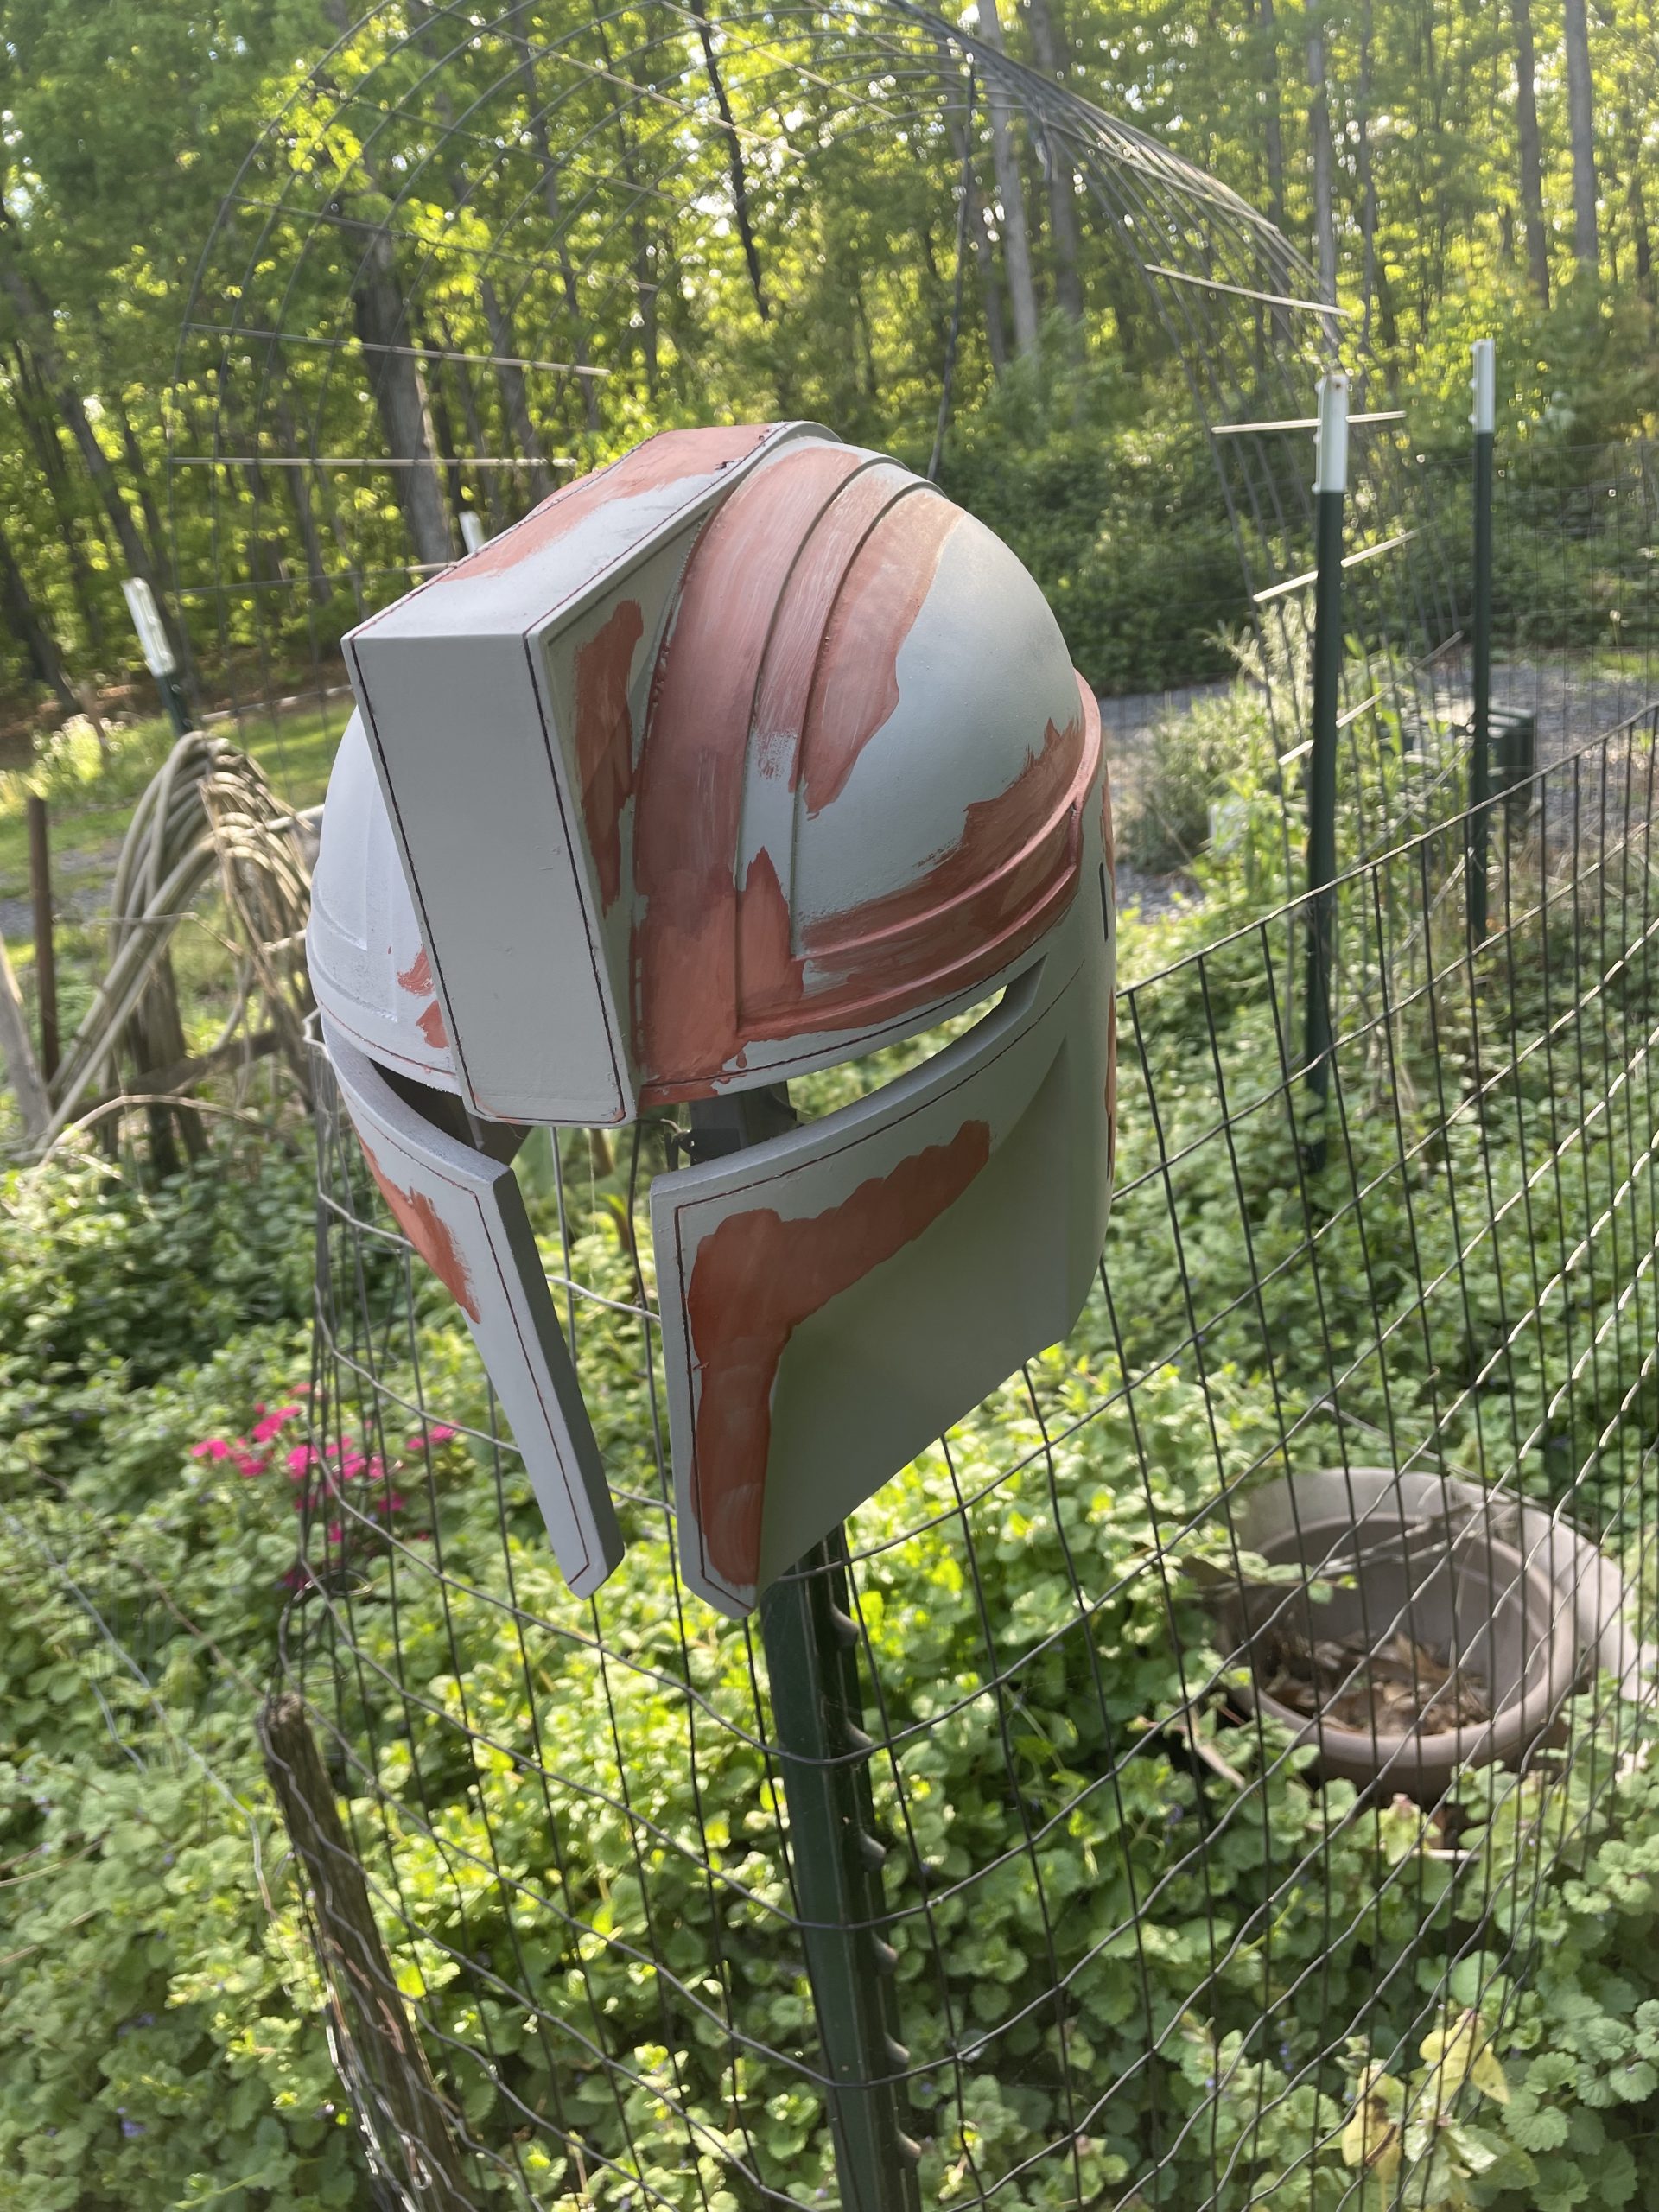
160,2044
152,1346
1110,500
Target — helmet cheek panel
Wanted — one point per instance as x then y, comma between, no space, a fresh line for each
834,1299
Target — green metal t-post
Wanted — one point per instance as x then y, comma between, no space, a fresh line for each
1330,488
173,699
811,1645
1485,420
811,1640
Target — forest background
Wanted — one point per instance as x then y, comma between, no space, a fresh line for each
1451,169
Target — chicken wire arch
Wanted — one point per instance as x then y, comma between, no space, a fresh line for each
1109,1916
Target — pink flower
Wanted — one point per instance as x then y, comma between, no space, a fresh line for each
336,1532
299,1459
441,1433
391,1503
211,1447
249,1464
351,1467
265,1429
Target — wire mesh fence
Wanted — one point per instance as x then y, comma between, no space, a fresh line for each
1212,1718
1229,1691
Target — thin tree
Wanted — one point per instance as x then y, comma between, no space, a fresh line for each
1048,44
35,316
1581,131
1272,133
1016,241
1530,146
1318,121
996,338
381,316
1367,175
1635,200
515,397
735,166
386,331
29,627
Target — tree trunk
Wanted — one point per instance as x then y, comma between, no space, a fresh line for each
1636,199
397,2101
1367,178
510,378
116,407
30,628
996,341
478,444
734,157
1531,150
443,426
537,114
1016,241
34,314
39,419
400,397
1581,128
1318,123
18,1060
515,395
645,252
1053,60
299,486
1273,132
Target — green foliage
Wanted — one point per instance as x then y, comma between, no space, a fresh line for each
1109,495
146,1488
160,2039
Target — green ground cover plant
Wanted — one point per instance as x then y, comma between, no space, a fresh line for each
161,2027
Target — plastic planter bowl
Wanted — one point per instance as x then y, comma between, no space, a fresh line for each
1521,1602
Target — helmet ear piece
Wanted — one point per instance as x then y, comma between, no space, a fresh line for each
503,703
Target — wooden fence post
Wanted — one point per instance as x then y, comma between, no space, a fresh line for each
398,2103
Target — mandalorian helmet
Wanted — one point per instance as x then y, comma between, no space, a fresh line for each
747,754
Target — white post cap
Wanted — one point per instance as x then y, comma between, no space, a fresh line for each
1330,464
158,653
1484,417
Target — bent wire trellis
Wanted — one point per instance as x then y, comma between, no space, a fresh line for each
1144,1955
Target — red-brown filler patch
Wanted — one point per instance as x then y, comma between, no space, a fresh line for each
755,1279
666,458
688,800
761,652
605,738
416,979
855,684
428,1232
